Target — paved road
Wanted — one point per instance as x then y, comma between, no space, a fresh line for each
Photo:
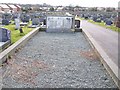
56,60
106,38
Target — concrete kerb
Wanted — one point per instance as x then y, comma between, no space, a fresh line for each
13,48
109,65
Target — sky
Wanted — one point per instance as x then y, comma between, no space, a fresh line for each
84,3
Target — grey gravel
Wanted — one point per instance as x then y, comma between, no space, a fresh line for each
59,64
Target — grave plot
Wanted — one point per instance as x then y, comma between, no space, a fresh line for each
56,60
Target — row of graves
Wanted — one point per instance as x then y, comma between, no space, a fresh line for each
107,18
19,20
38,19
23,19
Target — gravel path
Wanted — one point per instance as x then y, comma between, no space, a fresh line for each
56,60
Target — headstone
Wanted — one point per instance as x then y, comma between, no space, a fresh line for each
25,18
94,18
41,19
7,16
35,21
105,20
86,16
98,20
109,22
77,23
17,23
44,22
5,22
60,24
14,16
4,35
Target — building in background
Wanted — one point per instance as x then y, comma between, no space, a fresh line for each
4,8
18,7
13,8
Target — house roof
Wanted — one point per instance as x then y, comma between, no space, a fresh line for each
4,6
18,6
12,6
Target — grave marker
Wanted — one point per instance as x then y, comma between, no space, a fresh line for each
4,35
17,23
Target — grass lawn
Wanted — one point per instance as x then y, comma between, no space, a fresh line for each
15,34
112,27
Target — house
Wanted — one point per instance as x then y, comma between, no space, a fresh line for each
45,8
100,9
60,8
0,9
18,7
4,8
13,8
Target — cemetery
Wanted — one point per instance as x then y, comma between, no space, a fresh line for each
62,52
14,22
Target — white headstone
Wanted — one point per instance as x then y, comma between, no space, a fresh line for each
17,23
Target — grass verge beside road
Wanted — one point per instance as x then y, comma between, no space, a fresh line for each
112,27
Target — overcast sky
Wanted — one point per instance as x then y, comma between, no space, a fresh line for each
87,3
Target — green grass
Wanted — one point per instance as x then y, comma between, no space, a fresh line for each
15,34
112,27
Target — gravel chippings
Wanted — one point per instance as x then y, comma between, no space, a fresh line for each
56,60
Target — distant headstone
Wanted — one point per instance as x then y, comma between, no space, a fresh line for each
44,22
7,16
41,19
77,23
14,16
105,20
94,18
5,22
35,21
98,20
109,22
17,23
86,16
25,18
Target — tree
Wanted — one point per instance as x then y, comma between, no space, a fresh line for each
51,9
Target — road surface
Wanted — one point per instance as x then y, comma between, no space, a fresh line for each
106,38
